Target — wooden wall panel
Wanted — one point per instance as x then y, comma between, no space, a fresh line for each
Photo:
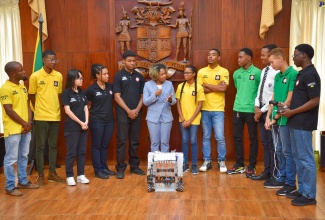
83,32
79,61
210,23
57,29
233,24
77,25
98,25
252,38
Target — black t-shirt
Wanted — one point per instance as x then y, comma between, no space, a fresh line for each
101,103
131,88
307,87
77,101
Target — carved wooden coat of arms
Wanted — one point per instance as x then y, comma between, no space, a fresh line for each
153,23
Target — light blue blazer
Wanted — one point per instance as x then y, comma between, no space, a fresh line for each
158,106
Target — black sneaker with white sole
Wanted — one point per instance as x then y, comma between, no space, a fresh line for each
285,189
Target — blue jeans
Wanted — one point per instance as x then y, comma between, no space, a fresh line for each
17,148
215,120
101,135
159,135
303,155
189,133
285,163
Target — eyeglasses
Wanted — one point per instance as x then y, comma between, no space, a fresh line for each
294,56
188,72
53,60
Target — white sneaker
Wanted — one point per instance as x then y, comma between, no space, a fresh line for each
82,179
222,167
206,166
71,181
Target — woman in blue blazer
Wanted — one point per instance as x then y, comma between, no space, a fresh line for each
159,95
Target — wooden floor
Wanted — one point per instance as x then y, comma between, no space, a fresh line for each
209,195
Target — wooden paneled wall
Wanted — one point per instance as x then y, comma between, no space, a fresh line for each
82,32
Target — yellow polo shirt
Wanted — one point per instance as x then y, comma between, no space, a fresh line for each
188,104
215,101
47,88
15,95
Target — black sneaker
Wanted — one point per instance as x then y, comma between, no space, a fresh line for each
250,172
137,171
120,175
236,169
109,172
303,201
185,167
101,175
286,189
263,176
273,184
194,169
294,194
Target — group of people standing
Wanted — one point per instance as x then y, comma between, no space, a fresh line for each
283,102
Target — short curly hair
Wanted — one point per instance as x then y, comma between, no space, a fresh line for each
155,69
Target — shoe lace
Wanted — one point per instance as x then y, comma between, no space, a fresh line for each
206,162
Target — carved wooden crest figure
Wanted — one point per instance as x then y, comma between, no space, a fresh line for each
153,37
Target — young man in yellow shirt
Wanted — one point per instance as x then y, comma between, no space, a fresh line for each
215,80
17,126
45,86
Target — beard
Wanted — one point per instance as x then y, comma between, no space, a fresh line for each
24,78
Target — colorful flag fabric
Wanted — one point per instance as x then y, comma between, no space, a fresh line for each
270,8
37,7
37,65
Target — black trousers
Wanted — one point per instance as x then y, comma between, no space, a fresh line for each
267,142
127,129
238,120
76,142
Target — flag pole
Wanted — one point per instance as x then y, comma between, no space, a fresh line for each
40,21
33,142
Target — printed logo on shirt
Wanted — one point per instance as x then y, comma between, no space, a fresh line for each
137,79
25,90
251,77
56,83
124,78
284,81
4,97
73,100
98,93
205,76
194,93
14,92
217,77
239,77
269,85
226,77
42,82
311,85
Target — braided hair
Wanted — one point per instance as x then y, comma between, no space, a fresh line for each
96,69
193,69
